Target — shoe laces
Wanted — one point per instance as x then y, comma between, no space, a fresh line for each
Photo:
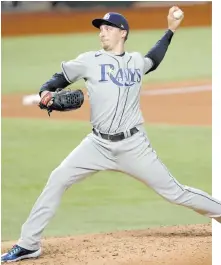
14,249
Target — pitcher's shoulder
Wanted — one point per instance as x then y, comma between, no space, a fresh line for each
135,55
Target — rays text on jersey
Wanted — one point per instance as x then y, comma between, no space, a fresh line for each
120,76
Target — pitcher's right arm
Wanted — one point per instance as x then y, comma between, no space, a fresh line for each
157,53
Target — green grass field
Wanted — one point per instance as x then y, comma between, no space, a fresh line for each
28,62
107,201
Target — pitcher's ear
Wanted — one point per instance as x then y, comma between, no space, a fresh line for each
124,33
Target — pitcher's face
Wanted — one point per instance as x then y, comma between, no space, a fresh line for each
110,36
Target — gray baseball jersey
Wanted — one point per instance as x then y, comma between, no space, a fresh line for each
113,84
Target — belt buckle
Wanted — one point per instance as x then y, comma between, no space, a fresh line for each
108,137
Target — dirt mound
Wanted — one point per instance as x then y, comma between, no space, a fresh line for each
176,245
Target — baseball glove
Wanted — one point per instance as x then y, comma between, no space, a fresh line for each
64,100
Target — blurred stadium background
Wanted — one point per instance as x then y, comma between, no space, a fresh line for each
36,37
13,6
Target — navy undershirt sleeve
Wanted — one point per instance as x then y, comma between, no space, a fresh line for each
157,53
58,80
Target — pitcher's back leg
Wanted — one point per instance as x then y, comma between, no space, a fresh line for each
142,162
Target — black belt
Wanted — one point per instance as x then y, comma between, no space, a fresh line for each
116,137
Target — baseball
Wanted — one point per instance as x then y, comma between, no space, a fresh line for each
178,14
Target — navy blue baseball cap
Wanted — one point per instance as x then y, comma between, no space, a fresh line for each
114,19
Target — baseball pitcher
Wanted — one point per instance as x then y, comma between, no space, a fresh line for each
118,140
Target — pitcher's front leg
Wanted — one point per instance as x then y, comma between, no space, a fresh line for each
89,157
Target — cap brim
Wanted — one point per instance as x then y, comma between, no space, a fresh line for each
97,22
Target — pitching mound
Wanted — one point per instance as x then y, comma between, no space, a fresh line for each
177,245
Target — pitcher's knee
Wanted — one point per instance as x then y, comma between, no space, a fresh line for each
176,197
60,176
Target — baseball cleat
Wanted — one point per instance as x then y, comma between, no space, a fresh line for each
18,253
